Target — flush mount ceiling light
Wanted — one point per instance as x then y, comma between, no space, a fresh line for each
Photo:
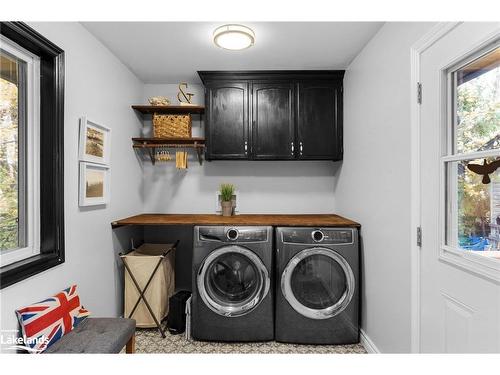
234,37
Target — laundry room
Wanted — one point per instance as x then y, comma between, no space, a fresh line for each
253,185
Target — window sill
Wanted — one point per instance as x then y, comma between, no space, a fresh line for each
16,255
488,267
18,271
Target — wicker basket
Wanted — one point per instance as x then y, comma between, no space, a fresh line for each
165,126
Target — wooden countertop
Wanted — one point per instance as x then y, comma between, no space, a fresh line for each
311,220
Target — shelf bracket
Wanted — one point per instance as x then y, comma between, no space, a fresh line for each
199,151
152,153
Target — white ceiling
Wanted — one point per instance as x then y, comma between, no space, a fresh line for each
171,52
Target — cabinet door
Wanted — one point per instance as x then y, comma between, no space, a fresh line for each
319,125
273,121
227,125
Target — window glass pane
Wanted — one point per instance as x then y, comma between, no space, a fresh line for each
478,104
12,104
473,208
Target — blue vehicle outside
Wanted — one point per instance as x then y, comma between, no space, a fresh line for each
473,243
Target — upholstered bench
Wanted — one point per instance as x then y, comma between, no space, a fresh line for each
98,335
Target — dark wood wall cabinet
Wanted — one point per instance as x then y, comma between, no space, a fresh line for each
273,115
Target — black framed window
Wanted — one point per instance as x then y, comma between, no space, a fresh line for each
31,176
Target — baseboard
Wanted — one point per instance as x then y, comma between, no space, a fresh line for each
367,343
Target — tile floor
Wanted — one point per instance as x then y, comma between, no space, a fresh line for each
150,341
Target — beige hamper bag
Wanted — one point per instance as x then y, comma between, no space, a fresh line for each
142,263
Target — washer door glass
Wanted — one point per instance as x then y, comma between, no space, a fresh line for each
232,278
318,283
232,281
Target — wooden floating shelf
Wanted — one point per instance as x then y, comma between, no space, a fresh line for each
163,141
151,144
169,109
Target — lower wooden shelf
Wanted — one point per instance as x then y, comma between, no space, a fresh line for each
152,144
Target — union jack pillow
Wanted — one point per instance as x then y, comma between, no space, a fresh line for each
45,322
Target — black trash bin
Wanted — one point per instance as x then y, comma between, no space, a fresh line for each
176,319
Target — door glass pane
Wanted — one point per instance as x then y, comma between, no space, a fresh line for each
477,103
474,207
232,279
12,105
318,282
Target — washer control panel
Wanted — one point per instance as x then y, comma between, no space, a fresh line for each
317,235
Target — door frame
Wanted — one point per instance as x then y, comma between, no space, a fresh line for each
437,32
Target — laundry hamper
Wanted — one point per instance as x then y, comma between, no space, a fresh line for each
153,267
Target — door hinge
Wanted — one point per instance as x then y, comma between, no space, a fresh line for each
419,93
419,236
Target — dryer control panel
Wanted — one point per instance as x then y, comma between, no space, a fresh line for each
234,234
317,235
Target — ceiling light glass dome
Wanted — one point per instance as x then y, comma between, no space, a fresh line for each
234,37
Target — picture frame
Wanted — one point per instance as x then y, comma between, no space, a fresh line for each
218,206
95,142
94,184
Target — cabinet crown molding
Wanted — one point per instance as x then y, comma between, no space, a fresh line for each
255,75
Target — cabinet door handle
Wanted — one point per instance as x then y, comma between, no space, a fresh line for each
293,148
300,147
246,147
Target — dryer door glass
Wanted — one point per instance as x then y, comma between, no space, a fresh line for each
318,283
232,281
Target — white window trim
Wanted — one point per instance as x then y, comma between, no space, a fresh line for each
32,155
451,253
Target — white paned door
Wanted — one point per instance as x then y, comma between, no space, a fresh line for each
459,256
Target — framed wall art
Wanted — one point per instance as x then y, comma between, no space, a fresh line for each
94,184
95,142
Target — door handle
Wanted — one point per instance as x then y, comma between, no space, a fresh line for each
300,147
246,148
293,147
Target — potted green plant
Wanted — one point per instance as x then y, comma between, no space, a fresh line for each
226,196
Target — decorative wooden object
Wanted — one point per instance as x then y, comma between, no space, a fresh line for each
485,169
323,220
184,97
153,144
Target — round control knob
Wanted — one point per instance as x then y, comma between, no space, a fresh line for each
318,235
232,234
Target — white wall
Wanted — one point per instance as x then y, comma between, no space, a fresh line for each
373,184
264,187
101,87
